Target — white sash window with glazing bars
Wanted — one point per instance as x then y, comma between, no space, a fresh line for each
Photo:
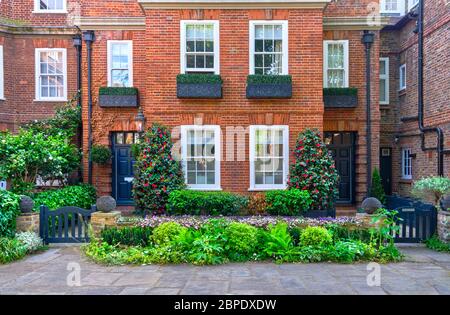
335,69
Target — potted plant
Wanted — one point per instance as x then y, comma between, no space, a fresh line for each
340,97
269,86
434,189
100,154
118,97
198,85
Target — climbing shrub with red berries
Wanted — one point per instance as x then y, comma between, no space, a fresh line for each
314,170
156,172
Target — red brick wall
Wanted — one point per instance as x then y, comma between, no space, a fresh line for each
156,64
401,47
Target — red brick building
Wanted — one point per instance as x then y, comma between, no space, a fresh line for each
145,44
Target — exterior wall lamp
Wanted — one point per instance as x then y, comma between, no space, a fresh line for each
140,120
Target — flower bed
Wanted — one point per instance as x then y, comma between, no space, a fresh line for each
215,240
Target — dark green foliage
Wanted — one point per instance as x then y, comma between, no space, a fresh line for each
11,250
206,203
436,244
288,202
9,210
268,79
314,170
377,190
242,241
167,232
100,154
198,78
315,236
340,232
118,91
131,236
82,196
341,91
157,173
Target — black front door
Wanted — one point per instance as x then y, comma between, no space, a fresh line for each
123,163
386,169
342,148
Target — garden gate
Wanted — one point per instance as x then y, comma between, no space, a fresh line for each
64,225
417,220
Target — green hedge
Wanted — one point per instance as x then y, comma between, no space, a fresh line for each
118,91
83,196
198,78
341,91
288,202
205,203
9,210
268,79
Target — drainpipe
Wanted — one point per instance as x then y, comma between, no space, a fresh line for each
367,40
439,133
77,43
89,38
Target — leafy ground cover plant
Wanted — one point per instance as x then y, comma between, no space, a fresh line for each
436,244
31,241
11,249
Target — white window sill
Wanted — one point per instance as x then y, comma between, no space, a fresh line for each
50,100
204,188
267,188
50,12
384,104
2,99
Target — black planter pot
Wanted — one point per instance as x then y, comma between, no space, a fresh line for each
118,101
199,90
269,90
340,101
314,214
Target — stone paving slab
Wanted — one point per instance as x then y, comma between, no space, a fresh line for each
423,272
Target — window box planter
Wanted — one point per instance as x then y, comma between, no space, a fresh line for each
118,97
199,86
269,86
340,97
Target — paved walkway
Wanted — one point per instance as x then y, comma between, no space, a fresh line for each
423,272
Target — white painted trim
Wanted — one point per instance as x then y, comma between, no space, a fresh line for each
400,8
325,61
385,77
285,44
130,59
217,154
232,4
216,25
403,152
38,97
2,75
253,128
37,8
401,86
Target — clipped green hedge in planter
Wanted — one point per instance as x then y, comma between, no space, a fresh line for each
199,85
269,86
340,97
118,97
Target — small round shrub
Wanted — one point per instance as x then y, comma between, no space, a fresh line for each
242,239
167,232
315,236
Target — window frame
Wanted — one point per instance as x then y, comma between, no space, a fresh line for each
37,8
252,143
402,87
284,38
412,4
2,75
129,43
385,77
400,8
406,163
216,32
37,57
217,156
345,42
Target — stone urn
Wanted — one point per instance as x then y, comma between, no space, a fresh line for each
371,204
26,204
106,204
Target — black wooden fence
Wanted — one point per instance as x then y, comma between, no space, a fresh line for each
64,225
